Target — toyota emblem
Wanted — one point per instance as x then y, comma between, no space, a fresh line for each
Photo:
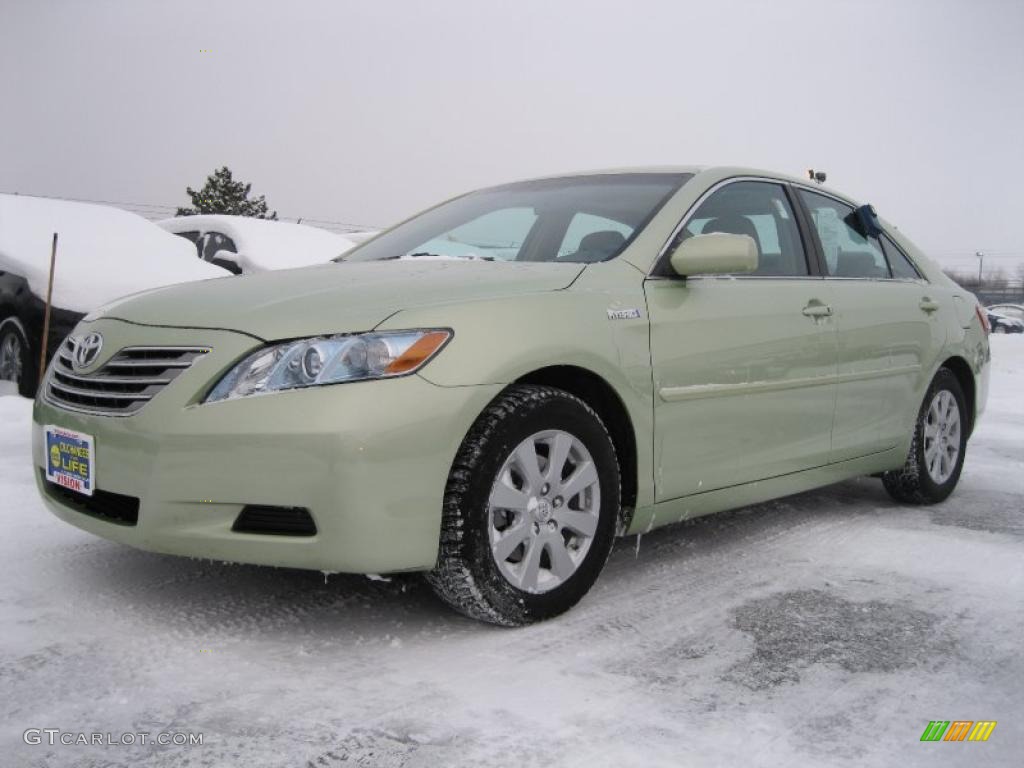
85,350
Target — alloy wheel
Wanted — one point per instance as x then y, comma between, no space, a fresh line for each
941,431
11,357
543,511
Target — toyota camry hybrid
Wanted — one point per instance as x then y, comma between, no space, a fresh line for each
493,390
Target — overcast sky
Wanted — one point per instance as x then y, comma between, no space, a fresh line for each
367,111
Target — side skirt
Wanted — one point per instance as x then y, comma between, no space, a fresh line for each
699,504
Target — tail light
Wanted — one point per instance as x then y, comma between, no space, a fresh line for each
983,319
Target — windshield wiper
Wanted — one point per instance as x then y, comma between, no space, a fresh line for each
428,255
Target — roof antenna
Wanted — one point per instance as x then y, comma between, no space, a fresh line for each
816,176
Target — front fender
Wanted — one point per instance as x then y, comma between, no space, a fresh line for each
500,341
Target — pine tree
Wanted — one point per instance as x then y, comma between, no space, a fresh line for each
222,194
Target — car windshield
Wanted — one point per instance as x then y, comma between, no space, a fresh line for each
580,219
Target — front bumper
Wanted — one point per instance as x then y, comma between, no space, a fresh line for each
369,460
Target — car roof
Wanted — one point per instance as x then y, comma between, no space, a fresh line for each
268,243
718,171
248,223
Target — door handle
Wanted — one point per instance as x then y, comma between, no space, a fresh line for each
928,305
817,309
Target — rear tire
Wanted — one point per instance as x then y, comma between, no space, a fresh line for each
937,451
16,359
530,509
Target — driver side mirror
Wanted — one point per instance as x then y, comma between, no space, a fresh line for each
715,254
228,260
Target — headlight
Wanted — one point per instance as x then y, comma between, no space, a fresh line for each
329,360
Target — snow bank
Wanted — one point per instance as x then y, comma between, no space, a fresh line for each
1007,374
264,245
103,253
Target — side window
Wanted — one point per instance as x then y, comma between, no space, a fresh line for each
901,266
592,238
761,211
214,242
496,235
848,251
192,236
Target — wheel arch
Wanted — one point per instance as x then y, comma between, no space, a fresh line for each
960,368
596,392
9,316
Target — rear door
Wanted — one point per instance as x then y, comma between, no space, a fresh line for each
887,322
743,366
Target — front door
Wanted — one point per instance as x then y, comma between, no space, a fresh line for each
744,367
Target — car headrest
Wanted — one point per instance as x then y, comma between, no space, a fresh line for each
733,224
605,243
857,264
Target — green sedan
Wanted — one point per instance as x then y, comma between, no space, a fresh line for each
493,390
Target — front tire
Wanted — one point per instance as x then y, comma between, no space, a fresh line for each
937,451
16,363
529,509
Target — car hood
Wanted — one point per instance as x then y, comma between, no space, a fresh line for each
336,298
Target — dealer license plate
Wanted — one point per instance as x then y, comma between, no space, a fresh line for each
70,459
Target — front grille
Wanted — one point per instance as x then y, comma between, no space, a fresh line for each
123,384
110,507
275,521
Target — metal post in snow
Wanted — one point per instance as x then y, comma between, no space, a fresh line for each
46,310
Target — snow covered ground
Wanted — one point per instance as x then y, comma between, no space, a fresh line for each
824,629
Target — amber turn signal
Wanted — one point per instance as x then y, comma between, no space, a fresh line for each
418,353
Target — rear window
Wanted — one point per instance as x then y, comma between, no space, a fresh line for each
848,251
902,268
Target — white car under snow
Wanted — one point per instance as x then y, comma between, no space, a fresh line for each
243,244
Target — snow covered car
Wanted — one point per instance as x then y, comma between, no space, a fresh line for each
622,350
242,244
1002,323
1006,318
102,254
362,235
1016,311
